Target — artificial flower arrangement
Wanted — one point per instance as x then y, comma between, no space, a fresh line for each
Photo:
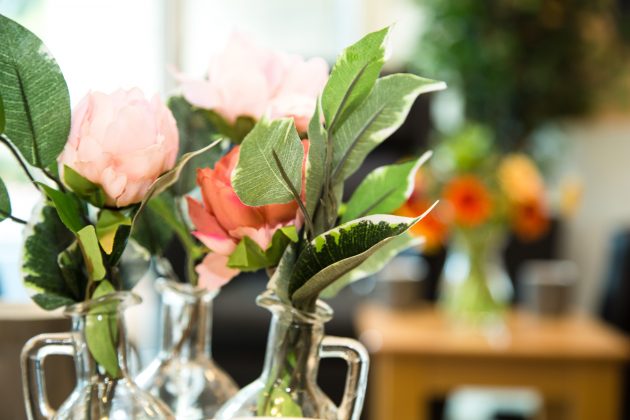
272,200
483,195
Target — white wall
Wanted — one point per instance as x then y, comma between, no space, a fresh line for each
601,156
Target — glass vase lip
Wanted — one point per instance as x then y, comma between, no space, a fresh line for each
185,290
122,300
271,301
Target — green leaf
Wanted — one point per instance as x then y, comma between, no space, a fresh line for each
334,253
377,118
45,239
36,99
2,117
195,131
101,331
70,262
84,188
384,190
68,207
235,132
316,160
107,226
248,256
5,202
169,178
257,180
374,263
150,231
91,252
353,77
121,238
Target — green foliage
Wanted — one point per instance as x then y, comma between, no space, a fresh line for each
36,99
384,190
108,225
235,132
2,116
47,238
353,77
5,202
91,251
248,256
373,263
84,188
70,262
68,207
336,252
521,63
257,179
150,231
195,132
315,167
101,331
384,110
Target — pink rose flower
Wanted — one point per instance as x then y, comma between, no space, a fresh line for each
247,80
222,220
121,142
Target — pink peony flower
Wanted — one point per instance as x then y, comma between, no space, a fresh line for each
222,220
247,80
121,142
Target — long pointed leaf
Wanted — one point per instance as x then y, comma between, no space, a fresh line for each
36,99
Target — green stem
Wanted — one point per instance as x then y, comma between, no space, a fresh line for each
11,217
4,139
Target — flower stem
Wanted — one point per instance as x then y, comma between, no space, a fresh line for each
4,139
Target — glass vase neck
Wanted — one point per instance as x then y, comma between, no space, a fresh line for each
294,336
187,319
91,321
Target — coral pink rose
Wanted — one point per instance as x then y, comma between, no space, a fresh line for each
222,220
247,80
121,142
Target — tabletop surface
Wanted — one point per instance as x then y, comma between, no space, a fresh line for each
427,331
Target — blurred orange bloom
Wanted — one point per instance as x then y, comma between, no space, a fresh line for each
432,227
469,199
519,178
530,220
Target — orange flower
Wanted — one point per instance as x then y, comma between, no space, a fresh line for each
519,178
432,227
469,199
530,220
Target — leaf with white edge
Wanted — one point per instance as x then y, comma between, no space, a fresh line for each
107,226
91,250
257,179
334,253
343,242
374,263
353,76
384,110
169,178
2,117
5,202
384,190
101,331
36,99
45,239
84,188
68,207
249,256
316,160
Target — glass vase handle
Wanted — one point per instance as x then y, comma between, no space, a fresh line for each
34,353
356,356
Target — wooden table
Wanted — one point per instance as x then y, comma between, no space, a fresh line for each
417,356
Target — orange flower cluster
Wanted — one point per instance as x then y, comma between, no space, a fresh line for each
515,198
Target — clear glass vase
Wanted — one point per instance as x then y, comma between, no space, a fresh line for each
99,346
475,287
183,375
288,384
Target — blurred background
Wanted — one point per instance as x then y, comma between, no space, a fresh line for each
538,101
